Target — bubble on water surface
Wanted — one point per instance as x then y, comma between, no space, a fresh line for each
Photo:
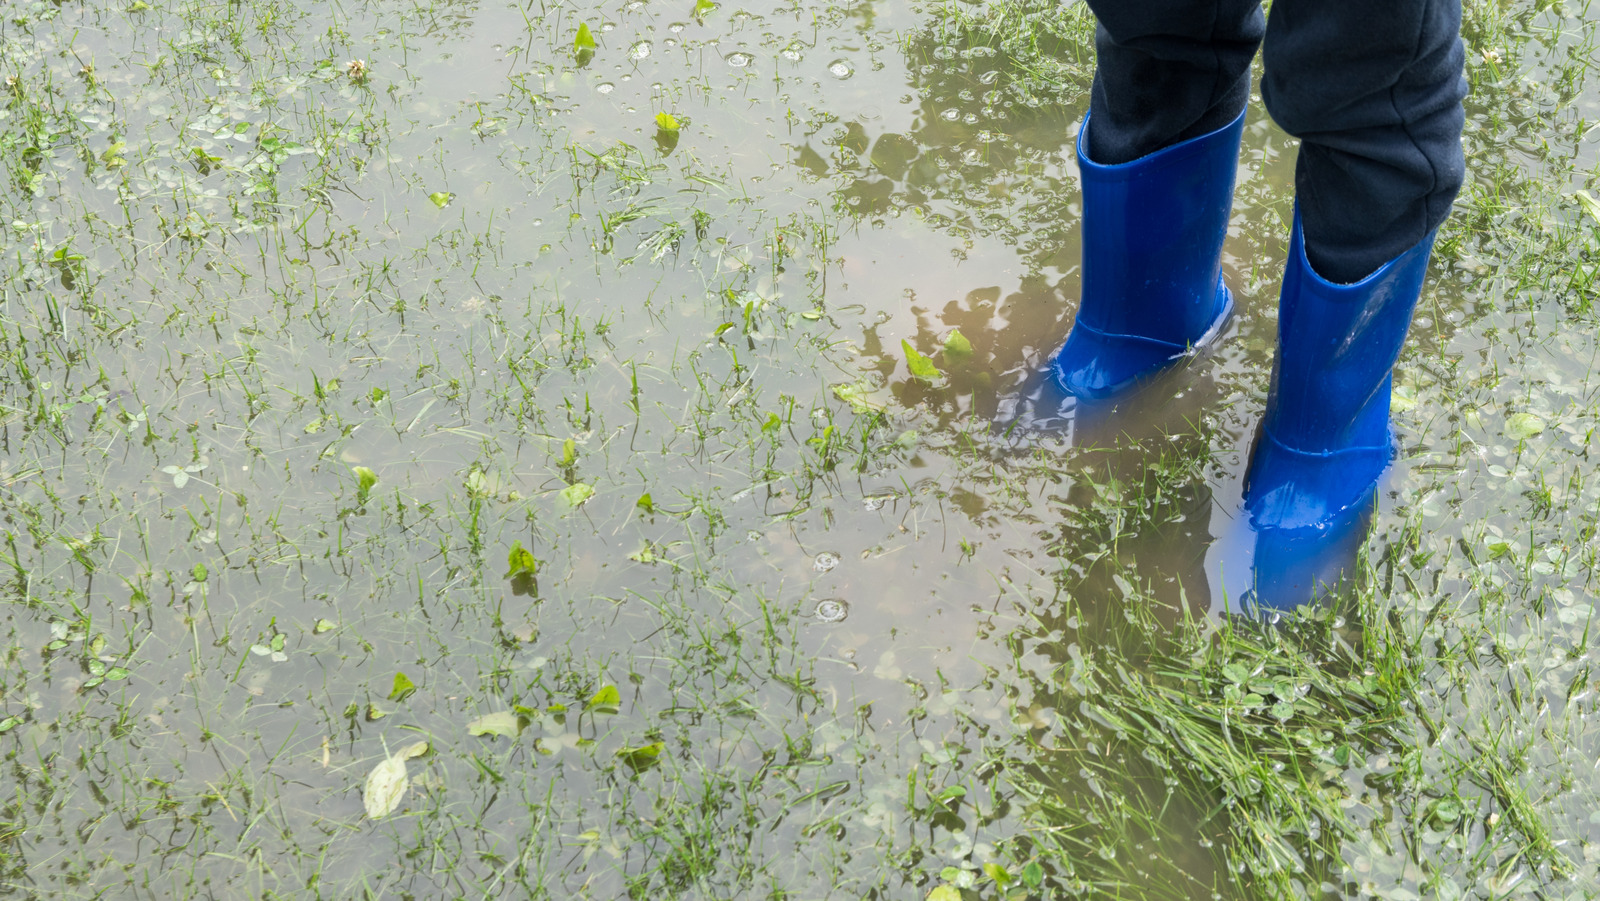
832,610
950,115
841,69
793,52
605,87
639,50
739,59
825,561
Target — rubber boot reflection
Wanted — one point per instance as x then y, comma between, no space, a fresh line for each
1262,571
1166,406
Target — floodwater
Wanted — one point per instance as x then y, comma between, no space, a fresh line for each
314,314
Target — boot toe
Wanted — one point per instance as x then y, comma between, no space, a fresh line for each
1295,490
1095,366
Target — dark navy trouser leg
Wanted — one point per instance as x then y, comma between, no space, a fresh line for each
1168,71
1373,89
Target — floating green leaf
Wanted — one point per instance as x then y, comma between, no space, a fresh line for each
645,503
858,396
584,41
957,347
668,122
569,452
921,367
9,723
521,561
505,723
945,893
642,757
998,874
322,625
1402,398
607,700
440,198
1523,425
577,493
703,8
403,687
199,573
386,786
1033,875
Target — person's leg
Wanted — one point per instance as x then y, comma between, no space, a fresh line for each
1373,89
1167,71
1156,158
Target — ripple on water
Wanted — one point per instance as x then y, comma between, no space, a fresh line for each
831,610
738,59
639,50
841,69
825,561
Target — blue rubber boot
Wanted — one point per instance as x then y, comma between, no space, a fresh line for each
1325,438
1152,248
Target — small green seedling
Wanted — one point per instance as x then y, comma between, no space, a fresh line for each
403,687
583,45
365,479
521,561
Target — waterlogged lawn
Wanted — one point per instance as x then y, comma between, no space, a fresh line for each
590,451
